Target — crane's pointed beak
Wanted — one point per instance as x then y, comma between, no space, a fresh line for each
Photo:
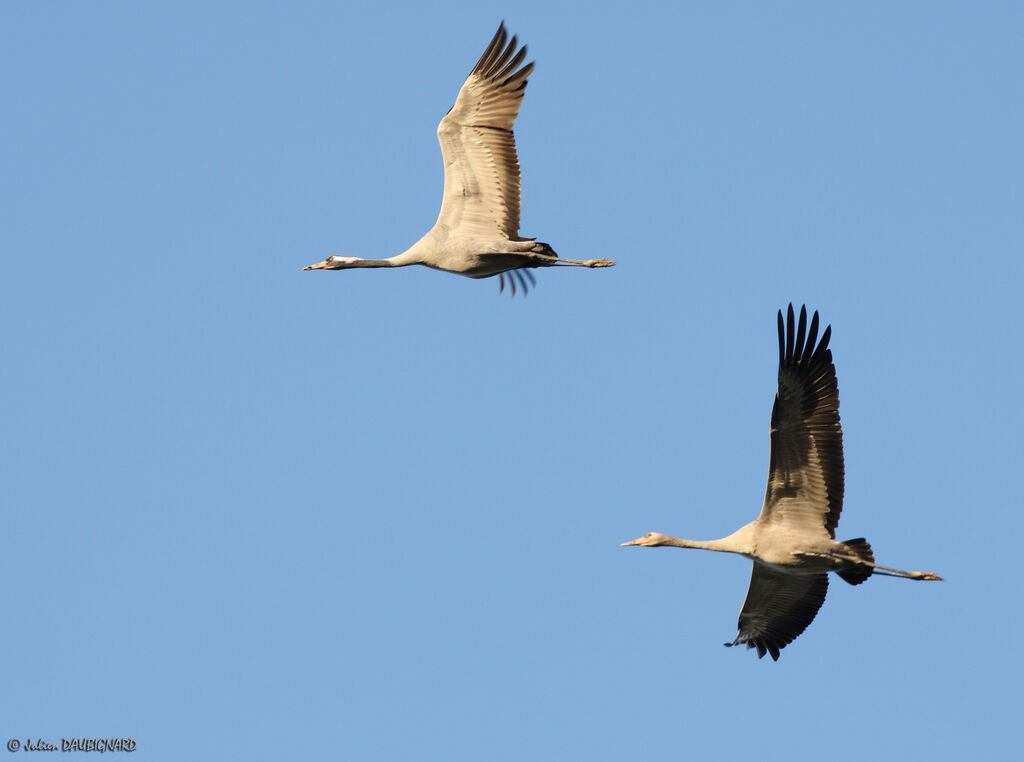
319,265
631,542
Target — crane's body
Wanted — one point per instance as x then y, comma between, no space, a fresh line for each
477,229
792,542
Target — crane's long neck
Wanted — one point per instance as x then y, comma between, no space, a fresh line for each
415,255
410,257
741,541
372,263
404,259
720,545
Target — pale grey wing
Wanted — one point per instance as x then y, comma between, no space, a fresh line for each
778,608
806,473
481,166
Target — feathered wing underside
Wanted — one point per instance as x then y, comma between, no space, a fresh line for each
481,166
806,473
778,608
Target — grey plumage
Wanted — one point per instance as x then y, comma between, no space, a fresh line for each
792,542
477,229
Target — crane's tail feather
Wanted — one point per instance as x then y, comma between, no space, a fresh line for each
857,573
543,248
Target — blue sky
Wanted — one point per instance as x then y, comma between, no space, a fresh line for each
258,513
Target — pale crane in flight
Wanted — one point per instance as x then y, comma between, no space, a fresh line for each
792,543
477,231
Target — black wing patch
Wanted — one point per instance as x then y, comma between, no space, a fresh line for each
778,608
805,421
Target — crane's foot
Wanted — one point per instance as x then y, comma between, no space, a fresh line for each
926,575
603,262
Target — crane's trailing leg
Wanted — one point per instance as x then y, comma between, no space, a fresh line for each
553,261
556,260
890,572
542,255
885,571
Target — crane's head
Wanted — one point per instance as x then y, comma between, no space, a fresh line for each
649,540
333,263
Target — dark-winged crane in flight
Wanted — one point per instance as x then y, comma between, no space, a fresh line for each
792,543
477,230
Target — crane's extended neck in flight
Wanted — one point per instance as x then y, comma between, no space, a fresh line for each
734,543
346,263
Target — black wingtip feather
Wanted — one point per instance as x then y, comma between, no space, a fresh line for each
493,49
790,320
512,65
782,339
812,334
798,340
517,280
801,332
501,59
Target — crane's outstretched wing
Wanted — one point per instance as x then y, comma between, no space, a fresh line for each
805,477
481,167
778,608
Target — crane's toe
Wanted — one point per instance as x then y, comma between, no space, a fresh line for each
603,262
